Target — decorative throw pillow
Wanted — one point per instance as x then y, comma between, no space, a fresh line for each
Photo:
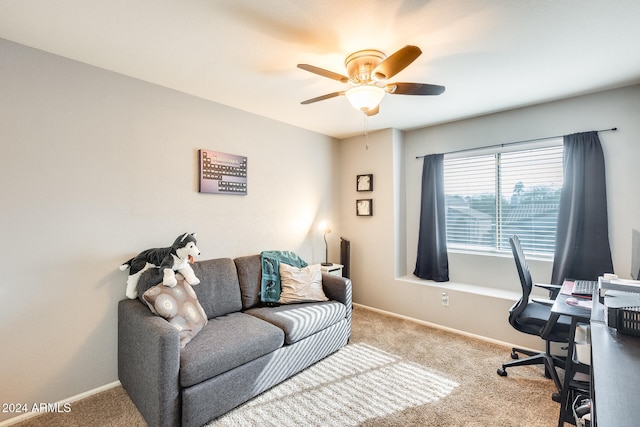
179,306
301,284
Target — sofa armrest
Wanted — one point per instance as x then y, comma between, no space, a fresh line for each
338,289
149,363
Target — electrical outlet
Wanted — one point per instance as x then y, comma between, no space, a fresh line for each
445,299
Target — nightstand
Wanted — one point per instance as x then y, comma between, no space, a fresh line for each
335,269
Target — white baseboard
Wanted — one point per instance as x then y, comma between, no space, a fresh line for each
437,326
71,399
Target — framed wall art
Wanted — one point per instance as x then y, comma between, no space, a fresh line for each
222,173
364,207
364,182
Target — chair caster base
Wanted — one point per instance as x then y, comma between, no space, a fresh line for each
514,355
556,397
502,372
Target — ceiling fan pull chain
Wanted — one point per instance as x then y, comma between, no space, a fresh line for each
366,133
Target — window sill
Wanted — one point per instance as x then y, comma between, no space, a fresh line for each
463,287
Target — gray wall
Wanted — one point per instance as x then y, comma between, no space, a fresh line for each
482,288
96,167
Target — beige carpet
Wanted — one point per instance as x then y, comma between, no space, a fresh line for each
394,372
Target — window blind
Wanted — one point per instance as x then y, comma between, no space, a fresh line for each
490,197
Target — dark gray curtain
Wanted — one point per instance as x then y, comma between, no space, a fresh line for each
432,262
582,241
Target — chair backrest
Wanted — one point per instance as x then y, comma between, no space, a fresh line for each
525,278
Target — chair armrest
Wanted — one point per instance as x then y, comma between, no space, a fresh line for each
548,302
548,286
553,289
338,289
149,363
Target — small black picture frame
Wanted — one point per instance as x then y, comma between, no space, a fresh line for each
364,182
364,207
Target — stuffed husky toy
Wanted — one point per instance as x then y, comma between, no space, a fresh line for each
174,258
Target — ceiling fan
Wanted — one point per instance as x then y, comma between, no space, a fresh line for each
367,70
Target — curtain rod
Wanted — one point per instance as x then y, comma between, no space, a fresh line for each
516,142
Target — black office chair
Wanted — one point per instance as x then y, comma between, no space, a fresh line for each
531,317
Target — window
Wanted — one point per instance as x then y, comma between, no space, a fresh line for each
490,197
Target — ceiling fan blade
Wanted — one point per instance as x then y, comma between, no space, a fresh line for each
373,111
397,62
324,73
414,89
322,98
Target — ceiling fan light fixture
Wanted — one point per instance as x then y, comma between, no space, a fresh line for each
365,97
366,71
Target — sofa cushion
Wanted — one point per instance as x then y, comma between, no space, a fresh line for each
301,284
219,290
179,306
225,343
270,283
147,280
299,321
249,275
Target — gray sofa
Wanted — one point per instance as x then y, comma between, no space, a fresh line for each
244,349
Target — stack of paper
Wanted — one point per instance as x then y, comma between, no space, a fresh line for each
622,285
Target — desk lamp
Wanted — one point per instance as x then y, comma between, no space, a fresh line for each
324,227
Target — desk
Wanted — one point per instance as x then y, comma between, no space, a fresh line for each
615,376
561,308
578,314
615,367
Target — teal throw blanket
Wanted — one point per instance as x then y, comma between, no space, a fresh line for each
270,283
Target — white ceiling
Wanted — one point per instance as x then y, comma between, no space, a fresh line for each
491,55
